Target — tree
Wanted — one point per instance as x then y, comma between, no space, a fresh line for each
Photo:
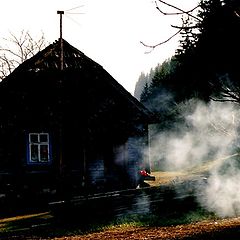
156,95
207,51
204,66
213,54
142,80
14,50
190,14
161,74
145,93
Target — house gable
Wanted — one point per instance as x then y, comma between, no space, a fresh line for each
86,114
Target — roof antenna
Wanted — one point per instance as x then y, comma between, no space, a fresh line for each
61,161
61,40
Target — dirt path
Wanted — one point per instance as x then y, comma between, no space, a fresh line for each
211,229
219,229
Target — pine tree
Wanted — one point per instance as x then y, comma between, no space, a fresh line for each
145,93
142,80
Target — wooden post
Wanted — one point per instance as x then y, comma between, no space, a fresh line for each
61,40
61,163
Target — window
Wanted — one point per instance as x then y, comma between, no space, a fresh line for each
38,148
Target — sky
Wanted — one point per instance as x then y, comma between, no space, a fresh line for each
107,31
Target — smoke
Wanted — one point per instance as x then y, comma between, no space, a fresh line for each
206,132
222,195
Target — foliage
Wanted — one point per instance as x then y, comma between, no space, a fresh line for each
212,51
143,81
205,65
187,217
44,225
145,93
159,82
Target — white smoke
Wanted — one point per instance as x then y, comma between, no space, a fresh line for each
208,133
222,195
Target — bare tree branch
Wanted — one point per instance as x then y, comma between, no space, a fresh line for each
180,28
15,54
229,92
184,27
16,49
180,11
156,45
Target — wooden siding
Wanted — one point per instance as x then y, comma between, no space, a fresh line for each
90,118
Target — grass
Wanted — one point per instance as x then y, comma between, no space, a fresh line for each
169,220
24,222
46,225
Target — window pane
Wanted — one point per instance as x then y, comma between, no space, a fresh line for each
34,153
39,148
33,138
44,138
44,153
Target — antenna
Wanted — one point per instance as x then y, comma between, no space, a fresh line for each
61,27
61,40
60,100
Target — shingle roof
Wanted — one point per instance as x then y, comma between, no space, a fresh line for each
49,59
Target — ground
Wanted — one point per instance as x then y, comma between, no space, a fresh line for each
37,226
221,229
211,229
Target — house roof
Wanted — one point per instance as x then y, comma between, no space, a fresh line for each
49,58
73,60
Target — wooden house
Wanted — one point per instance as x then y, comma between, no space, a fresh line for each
70,130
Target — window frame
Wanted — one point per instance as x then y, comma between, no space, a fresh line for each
38,143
